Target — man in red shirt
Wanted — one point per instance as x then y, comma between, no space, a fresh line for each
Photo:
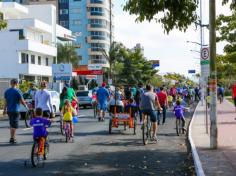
162,97
234,95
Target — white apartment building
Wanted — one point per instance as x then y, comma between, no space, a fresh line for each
28,44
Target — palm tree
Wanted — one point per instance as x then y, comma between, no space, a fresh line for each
66,53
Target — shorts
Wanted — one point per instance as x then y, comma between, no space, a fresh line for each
14,119
102,106
235,101
151,113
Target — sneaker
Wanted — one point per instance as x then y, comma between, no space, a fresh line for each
154,138
11,141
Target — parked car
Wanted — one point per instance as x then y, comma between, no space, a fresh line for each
85,98
55,102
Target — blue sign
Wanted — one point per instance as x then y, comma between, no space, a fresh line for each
62,78
191,71
155,65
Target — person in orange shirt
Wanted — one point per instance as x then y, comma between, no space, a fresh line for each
234,95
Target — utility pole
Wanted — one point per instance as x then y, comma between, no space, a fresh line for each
213,80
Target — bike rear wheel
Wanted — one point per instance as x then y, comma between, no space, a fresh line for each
178,127
35,158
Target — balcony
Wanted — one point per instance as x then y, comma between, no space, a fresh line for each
101,4
43,48
29,23
97,27
92,39
32,69
98,16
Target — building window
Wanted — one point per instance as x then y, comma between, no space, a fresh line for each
39,60
32,60
63,1
64,23
46,62
24,58
96,1
75,10
54,60
76,22
63,11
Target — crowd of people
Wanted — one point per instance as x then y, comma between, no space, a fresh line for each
143,100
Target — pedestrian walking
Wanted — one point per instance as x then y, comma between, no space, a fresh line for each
13,98
162,97
234,95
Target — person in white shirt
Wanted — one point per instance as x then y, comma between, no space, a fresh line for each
43,100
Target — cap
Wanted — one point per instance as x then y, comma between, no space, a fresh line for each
103,84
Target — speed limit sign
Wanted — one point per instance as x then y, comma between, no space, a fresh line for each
205,53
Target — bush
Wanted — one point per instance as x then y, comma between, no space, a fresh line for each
1,103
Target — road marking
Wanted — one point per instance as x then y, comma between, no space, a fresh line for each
81,115
25,129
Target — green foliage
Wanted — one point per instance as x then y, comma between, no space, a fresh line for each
178,78
3,23
170,13
24,86
74,84
66,53
1,103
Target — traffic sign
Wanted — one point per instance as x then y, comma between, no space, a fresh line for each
205,53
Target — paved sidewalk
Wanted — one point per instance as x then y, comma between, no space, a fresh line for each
223,160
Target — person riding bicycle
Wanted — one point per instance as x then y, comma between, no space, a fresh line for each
40,126
179,113
43,100
67,112
102,97
148,104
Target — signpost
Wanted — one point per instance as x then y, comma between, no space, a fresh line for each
62,71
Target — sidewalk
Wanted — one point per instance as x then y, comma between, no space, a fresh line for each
223,160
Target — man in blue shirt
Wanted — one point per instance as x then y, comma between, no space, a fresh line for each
102,97
13,98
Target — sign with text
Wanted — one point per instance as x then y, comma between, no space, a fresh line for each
61,71
89,72
155,63
94,67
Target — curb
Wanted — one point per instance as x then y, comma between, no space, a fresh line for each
197,162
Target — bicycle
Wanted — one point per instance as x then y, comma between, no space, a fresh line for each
179,126
67,130
39,153
220,97
95,109
29,114
146,128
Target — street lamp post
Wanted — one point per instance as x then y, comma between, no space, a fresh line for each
196,43
213,81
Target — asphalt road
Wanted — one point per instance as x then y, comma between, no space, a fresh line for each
95,152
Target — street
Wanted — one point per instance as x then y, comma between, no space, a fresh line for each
95,152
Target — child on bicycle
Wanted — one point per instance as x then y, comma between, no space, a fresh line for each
67,112
179,113
39,125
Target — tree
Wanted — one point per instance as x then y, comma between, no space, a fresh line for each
66,53
112,55
171,13
3,23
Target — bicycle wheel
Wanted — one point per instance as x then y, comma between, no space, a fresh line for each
46,150
28,117
35,158
94,110
135,126
110,126
145,131
61,126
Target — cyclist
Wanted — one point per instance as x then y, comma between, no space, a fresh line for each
179,113
67,111
39,125
13,98
102,97
149,101
220,92
43,100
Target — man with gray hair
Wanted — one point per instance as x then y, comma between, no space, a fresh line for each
13,98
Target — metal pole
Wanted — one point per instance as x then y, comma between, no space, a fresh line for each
213,81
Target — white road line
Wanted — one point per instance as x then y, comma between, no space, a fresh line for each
25,129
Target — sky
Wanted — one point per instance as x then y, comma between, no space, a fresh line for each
172,50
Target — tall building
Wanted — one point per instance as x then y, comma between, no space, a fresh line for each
91,21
